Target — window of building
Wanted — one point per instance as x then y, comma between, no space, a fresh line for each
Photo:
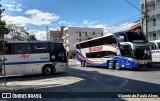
86,33
79,39
154,22
93,33
153,6
101,34
79,33
154,36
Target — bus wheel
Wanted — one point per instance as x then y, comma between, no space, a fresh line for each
109,65
116,65
47,70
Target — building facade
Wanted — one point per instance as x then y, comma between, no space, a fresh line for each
55,35
153,18
72,35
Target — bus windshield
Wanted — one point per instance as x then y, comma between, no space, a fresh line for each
136,37
142,52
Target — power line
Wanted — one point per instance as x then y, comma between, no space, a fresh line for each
127,20
133,20
133,5
123,25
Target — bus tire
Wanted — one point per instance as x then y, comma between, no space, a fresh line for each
109,65
116,65
48,70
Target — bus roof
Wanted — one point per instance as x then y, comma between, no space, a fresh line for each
96,38
32,42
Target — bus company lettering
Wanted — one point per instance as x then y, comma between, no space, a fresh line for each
95,49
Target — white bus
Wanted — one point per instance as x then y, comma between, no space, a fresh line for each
155,51
25,58
119,50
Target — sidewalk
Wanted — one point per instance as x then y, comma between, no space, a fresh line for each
71,60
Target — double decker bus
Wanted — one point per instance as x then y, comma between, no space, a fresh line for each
128,49
25,58
155,51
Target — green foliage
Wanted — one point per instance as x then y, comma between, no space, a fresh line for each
20,33
3,29
31,38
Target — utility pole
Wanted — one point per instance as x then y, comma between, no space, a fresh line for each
2,42
146,18
47,34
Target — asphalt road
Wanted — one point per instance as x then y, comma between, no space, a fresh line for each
89,79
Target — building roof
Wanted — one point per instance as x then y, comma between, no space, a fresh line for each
137,26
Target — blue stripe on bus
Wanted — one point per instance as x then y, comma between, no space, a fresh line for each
30,62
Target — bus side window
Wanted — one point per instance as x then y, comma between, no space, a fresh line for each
40,48
52,48
22,48
8,49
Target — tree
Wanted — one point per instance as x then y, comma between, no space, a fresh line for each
31,38
3,28
20,33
